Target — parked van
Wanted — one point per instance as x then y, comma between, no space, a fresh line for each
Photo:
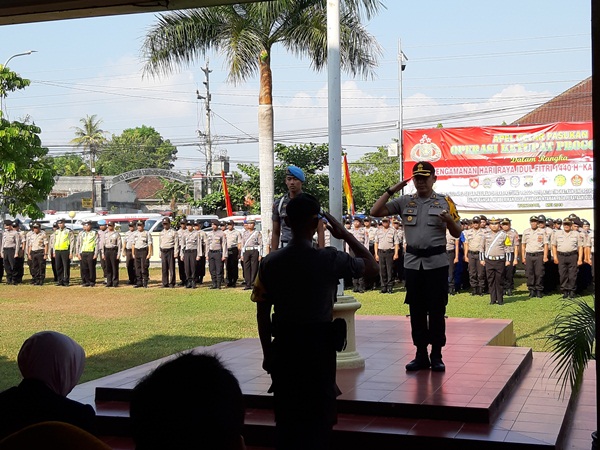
121,221
157,226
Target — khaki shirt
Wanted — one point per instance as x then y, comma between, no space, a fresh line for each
386,239
514,240
534,240
474,239
567,242
496,244
128,239
112,239
192,241
252,240
169,239
215,240
37,241
142,239
234,238
371,231
11,239
450,242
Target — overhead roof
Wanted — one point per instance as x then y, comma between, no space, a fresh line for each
24,11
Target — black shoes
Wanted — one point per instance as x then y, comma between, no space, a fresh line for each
539,294
420,362
437,365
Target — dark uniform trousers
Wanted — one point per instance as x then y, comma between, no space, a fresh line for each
215,267
451,255
88,268
53,265
130,265
103,267
427,294
398,266
168,266
509,274
233,256
250,267
1,269
534,270
386,259
9,259
142,264
476,272
189,259
200,269
111,263
181,268
63,266
567,269
19,269
494,270
38,267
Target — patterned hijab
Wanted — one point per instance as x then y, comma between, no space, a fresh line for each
53,358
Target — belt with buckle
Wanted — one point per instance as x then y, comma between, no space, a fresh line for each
568,253
495,258
473,252
534,253
250,248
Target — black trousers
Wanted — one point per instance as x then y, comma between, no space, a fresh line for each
111,263
200,269
567,270
53,265
63,266
398,266
9,260
250,264
181,269
19,269
534,270
38,266
494,271
427,297
476,271
509,275
142,264
451,255
189,259
386,260
103,267
215,266
233,256
130,265
167,260
88,268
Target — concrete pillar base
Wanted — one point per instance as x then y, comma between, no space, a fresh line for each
345,308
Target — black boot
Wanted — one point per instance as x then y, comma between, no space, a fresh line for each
532,293
540,294
437,365
474,291
451,289
421,361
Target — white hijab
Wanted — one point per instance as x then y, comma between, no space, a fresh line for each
53,358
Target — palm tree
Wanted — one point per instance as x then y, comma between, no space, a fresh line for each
245,34
174,192
90,137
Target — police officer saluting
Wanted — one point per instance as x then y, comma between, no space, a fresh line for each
168,244
142,251
87,250
37,252
111,254
426,215
567,248
495,257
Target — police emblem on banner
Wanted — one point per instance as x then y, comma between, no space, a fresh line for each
474,182
425,150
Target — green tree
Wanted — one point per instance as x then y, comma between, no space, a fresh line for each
90,137
245,34
174,192
26,172
136,148
370,175
70,164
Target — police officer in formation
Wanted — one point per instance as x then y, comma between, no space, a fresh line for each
128,252
11,243
473,246
20,259
386,252
180,261
234,245
64,249
168,245
216,246
568,253
361,235
37,253
398,264
110,252
512,250
88,246
192,250
452,250
252,252
142,251
201,263
494,257
51,251
534,250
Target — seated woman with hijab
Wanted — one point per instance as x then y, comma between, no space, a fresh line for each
51,364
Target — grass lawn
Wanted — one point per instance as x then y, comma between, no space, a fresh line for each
124,327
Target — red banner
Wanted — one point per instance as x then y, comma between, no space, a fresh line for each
226,194
508,168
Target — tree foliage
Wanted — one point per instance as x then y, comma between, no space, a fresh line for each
174,192
136,148
90,137
26,173
70,165
370,175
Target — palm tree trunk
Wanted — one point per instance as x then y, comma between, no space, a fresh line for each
266,158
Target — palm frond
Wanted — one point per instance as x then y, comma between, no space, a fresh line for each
572,343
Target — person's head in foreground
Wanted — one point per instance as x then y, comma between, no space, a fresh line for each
303,215
52,358
191,402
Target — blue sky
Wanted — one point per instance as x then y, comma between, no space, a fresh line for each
469,63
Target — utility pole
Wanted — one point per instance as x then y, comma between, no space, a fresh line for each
207,136
402,59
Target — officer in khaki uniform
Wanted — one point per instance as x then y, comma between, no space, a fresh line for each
567,248
88,249
509,271
128,253
11,243
216,248
191,248
37,252
534,250
386,252
473,246
251,253
234,247
495,256
168,244
201,263
142,251
452,248
361,235
64,248
111,254
51,251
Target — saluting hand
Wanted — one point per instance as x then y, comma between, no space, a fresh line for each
336,229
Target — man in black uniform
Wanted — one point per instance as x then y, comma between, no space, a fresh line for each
300,283
426,215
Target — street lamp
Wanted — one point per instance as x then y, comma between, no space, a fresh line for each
402,59
2,93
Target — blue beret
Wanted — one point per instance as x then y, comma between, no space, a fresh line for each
295,172
102,222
